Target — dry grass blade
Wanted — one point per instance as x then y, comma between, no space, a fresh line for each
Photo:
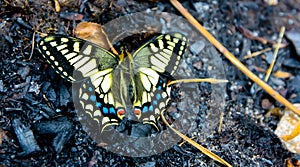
210,80
270,69
220,122
257,53
232,58
32,46
282,74
198,146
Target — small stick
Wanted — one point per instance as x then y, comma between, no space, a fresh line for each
270,69
254,54
221,122
196,80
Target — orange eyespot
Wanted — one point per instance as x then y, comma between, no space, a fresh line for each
137,112
121,112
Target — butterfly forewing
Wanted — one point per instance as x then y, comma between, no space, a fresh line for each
162,54
55,48
68,55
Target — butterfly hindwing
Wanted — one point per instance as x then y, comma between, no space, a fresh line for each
151,95
98,109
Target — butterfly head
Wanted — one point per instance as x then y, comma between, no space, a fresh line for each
125,53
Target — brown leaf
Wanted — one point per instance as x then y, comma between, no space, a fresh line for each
94,33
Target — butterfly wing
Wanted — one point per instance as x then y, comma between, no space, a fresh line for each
67,55
157,58
75,59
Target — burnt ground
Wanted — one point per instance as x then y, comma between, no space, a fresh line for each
38,123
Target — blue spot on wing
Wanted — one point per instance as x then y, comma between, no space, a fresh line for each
93,97
112,110
151,108
90,89
98,104
105,110
145,109
158,96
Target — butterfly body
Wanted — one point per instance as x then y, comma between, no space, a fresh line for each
114,87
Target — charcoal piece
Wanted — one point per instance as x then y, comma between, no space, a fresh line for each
21,85
141,130
34,87
51,95
269,57
48,110
25,137
30,100
294,89
8,39
60,128
197,47
292,63
52,73
246,46
64,95
28,79
45,87
24,72
148,164
295,39
21,22
201,7
1,86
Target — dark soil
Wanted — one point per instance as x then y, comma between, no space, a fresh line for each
38,122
